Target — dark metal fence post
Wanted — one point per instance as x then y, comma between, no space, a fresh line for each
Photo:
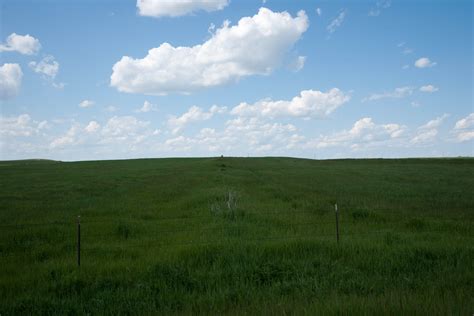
79,241
337,223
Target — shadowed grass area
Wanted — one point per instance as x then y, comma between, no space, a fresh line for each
237,236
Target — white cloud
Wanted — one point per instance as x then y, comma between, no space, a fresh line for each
415,104
337,21
428,88
364,132
319,11
194,114
424,136
379,6
59,85
92,127
10,80
405,67
435,123
464,128
111,108
159,8
21,125
406,50
467,122
255,45
464,136
395,94
147,107
309,103
242,135
43,125
70,138
211,29
215,109
24,44
125,130
263,137
122,125
424,62
86,103
427,133
298,63
126,136
47,67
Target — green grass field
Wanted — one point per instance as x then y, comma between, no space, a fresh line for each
237,236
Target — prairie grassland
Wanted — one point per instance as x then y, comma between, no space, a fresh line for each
237,236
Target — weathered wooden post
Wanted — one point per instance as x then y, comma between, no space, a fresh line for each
79,241
337,223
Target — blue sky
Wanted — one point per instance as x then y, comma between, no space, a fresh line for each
84,80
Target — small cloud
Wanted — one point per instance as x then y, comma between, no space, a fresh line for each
48,67
319,11
374,12
406,50
23,44
364,133
92,127
298,63
59,85
309,103
427,133
435,123
424,62
70,138
211,29
395,94
424,136
10,80
428,88
111,108
465,136
464,129
194,114
158,8
86,104
147,107
379,6
337,21
415,104
467,122
405,66
43,125
21,125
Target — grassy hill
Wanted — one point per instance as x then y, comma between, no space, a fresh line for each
237,236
